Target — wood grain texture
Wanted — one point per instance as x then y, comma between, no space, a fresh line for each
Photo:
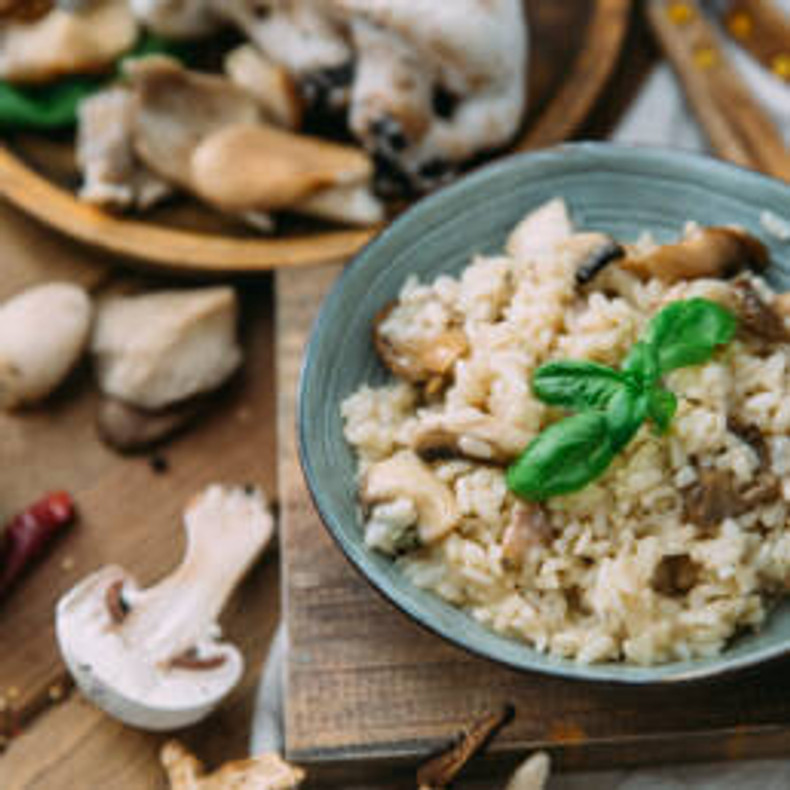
127,514
575,46
369,691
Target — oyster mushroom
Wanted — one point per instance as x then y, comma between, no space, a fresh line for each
264,772
247,167
43,332
157,349
151,657
706,252
272,87
468,434
84,41
405,476
427,359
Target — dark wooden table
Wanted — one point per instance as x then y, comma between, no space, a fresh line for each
66,744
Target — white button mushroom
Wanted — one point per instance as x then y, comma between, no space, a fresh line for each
151,657
158,349
43,332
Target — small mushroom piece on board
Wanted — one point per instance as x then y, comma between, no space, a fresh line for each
252,167
532,774
270,84
61,43
151,657
707,252
131,430
43,333
405,476
157,349
264,772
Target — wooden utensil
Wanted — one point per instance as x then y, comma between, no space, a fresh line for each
738,127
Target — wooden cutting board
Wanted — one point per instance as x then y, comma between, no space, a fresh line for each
370,693
130,515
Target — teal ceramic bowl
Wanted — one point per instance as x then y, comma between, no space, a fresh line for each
616,189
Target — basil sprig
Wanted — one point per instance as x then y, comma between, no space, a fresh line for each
611,404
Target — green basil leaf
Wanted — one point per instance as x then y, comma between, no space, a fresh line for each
687,333
641,364
661,408
576,385
563,458
625,414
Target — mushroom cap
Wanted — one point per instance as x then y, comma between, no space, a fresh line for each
106,671
43,332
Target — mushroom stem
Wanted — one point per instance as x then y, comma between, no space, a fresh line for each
169,619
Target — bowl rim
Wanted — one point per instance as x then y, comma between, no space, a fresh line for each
573,154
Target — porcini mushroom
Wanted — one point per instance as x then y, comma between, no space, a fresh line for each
151,657
706,252
156,349
43,332
83,41
405,476
263,772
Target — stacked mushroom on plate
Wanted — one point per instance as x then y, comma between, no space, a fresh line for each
422,87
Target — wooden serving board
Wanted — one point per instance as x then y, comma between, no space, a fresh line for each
50,738
574,46
370,693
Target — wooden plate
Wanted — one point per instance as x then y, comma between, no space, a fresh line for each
574,46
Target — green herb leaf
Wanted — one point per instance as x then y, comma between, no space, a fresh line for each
576,384
563,458
688,332
641,365
661,408
625,414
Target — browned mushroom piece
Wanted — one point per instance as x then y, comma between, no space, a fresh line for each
675,574
592,253
707,252
711,499
476,436
425,362
528,527
757,317
24,10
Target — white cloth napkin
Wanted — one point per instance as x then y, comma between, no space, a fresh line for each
659,117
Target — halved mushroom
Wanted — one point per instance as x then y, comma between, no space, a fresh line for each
151,657
758,317
43,333
156,349
425,360
468,434
263,772
268,83
84,41
405,476
707,252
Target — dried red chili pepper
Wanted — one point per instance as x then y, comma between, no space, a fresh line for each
27,535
